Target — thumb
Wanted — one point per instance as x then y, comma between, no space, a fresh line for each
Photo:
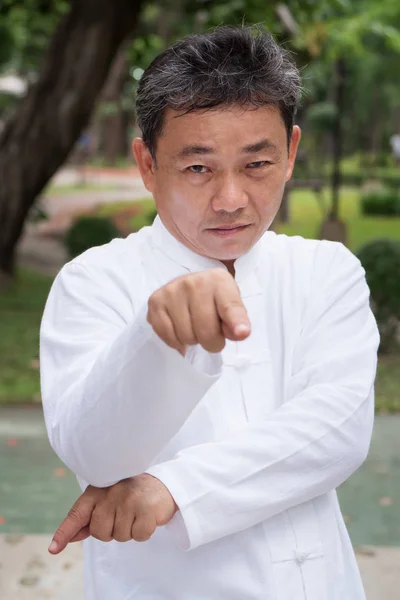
78,518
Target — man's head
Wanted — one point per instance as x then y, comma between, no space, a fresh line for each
217,113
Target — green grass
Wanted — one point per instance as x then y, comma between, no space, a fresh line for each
387,387
21,308
113,208
306,217
78,188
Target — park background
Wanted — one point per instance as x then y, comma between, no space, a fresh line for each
68,74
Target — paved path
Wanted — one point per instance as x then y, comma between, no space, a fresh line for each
36,490
28,572
41,247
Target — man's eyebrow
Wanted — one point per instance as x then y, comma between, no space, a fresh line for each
258,146
195,150
198,150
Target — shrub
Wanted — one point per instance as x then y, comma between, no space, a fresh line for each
384,202
144,218
129,217
87,232
381,261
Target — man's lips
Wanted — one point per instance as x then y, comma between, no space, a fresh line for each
227,227
228,230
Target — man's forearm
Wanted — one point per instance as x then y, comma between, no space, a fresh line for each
112,422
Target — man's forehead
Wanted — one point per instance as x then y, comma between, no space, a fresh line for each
199,132
200,149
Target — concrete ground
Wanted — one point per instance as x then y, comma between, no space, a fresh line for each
36,491
28,572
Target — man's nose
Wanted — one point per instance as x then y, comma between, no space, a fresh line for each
230,195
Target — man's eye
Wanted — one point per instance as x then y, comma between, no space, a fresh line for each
258,164
197,169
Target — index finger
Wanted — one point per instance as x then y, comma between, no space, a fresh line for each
78,518
232,311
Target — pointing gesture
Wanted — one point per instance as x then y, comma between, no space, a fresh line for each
201,308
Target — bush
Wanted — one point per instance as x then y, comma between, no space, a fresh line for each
381,261
353,179
384,202
143,218
87,232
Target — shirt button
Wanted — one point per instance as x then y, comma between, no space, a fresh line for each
300,557
241,361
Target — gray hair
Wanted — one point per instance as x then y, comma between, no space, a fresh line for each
229,66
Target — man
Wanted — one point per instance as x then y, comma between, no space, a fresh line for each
210,380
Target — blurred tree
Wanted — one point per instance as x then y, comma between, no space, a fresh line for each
42,131
340,34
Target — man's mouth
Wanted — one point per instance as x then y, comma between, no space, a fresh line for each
228,230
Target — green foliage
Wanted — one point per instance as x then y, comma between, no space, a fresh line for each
87,232
27,27
321,116
143,219
21,308
6,43
381,261
381,202
305,219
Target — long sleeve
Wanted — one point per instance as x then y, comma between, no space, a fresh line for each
113,393
315,440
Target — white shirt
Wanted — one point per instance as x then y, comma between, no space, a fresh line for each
251,442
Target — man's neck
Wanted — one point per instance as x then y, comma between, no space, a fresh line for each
230,266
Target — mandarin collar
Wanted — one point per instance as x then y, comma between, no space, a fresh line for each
193,262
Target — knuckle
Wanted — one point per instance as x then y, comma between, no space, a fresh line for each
152,501
122,537
208,336
152,304
234,304
142,535
99,534
220,274
194,282
75,514
216,345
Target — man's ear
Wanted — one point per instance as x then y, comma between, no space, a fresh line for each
145,162
294,144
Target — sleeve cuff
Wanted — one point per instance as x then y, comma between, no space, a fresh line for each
184,527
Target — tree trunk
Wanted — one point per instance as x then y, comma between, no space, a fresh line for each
283,212
41,133
333,228
114,124
337,137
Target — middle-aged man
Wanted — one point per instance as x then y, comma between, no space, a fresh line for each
211,382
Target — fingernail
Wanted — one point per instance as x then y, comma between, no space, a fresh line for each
53,546
240,329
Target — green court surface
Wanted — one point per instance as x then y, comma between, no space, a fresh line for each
36,490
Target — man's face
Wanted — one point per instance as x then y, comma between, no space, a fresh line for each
219,176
